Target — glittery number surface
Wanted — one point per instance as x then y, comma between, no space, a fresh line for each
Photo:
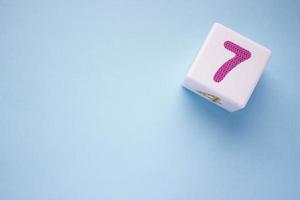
241,55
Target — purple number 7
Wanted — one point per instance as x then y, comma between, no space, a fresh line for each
241,55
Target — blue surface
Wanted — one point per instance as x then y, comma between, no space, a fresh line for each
92,107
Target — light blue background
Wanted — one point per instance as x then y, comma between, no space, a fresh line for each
92,107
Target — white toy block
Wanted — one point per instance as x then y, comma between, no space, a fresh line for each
227,68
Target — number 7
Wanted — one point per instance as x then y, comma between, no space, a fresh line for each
241,55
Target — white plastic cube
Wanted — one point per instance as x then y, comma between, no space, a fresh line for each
227,68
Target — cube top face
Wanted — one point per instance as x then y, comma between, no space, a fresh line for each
229,65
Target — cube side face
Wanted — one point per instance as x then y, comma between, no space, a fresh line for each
229,65
210,95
